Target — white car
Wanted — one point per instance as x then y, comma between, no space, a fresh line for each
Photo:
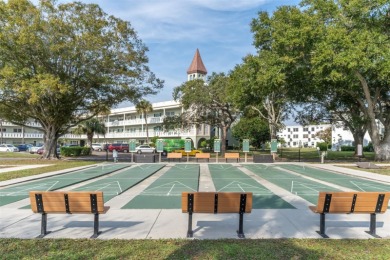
97,147
35,149
8,148
145,149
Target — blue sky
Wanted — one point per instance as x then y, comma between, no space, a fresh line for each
174,29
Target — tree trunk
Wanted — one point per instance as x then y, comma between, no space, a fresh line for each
223,139
358,138
50,139
382,150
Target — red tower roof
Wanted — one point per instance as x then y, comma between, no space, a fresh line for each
197,65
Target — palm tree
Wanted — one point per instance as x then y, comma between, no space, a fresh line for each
143,107
90,128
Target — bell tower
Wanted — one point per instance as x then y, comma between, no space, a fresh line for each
197,70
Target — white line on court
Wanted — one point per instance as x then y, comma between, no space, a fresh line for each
240,187
357,186
170,189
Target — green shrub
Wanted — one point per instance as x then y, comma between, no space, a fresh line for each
75,151
345,148
368,148
323,146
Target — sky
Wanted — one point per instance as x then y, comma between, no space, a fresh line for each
173,30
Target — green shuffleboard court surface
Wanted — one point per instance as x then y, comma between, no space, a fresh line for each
347,181
122,181
20,191
165,192
228,178
300,186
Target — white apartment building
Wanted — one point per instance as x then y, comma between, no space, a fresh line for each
302,136
123,124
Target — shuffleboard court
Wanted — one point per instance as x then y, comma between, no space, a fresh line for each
228,178
351,182
18,192
300,186
165,192
122,181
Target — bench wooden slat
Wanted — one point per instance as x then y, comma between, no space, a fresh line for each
232,155
202,155
79,201
175,155
228,202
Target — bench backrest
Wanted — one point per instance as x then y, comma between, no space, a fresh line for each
67,201
352,202
174,155
202,155
216,202
232,155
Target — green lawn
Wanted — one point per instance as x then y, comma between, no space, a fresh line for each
55,165
195,249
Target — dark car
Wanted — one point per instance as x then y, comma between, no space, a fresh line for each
24,147
119,147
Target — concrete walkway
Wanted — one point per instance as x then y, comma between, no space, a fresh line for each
171,223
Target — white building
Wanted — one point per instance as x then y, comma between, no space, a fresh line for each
123,124
303,136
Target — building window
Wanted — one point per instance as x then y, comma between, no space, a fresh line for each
288,129
295,136
17,130
305,136
171,113
305,129
295,129
312,129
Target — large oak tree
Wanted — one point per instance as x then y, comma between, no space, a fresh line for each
63,64
336,50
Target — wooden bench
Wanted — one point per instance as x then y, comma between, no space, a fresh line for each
216,202
174,156
232,156
202,156
351,203
68,202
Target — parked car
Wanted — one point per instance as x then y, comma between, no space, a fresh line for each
24,147
8,148
42,150
34,149
192,153
145,149
119,147
97,147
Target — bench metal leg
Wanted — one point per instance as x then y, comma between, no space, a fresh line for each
240,230
44,231
96,232
322,226
190,232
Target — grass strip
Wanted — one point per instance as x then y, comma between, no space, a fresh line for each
195,249
56,165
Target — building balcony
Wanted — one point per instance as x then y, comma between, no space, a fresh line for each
138,121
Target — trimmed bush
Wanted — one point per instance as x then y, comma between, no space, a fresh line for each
75,151
345,148
323,147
